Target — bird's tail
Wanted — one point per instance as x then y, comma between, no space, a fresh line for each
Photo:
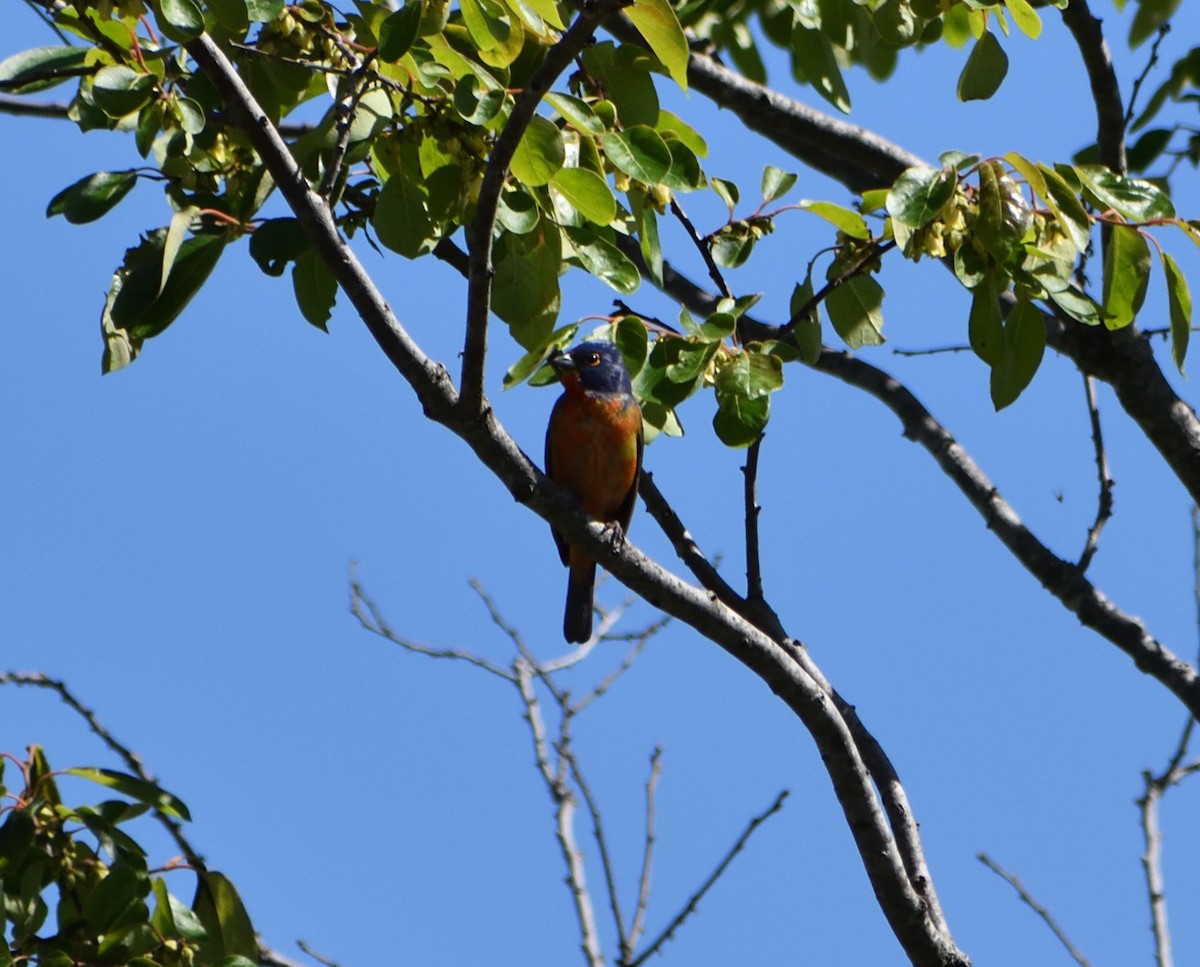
577,619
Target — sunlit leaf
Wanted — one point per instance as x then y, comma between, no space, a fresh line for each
540,153
855,309
659,26
1126,275
1179,301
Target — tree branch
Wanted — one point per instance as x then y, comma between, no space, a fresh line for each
1106,92
1040,910
754,588
643,897
903,906
479,266
1104,503
694,900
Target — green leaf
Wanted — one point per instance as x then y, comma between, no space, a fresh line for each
486,23
632,339
577,113
119,90
685,173
398,32
276,242
264,11
136,304
1067,207
1025,17
40,68
604,260
1078,306
648,239
639,152
232,15
401,217
588,194
518,211
540,154
985,327
135,788
623,73
1179,299
844,219
807,330
532,361
1004,212
740,421
113,895
813,57
91,197
919,195
180,20
1134,198
659,26
727,191
855,309
177,232
1151,14
1024,346
776,182
227,926
749,374
315,288
525,290
984,71
1126,275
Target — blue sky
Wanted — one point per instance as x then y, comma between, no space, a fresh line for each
177,540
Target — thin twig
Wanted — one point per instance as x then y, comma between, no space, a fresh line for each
643,898
863,262
1104,504
703,248
754,588
610,876
610,679
1160,36
1040,910
369,616
694,900
1152,867
132,761
316,956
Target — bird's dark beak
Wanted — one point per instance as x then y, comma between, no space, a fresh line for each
562,364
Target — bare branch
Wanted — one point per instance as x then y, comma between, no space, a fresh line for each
479,268
324,961
1104,504
132,761
369,616
643,898
610,877
1040,910
694,900
626,663
564,813
1152,866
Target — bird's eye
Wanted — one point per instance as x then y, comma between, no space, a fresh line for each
593,359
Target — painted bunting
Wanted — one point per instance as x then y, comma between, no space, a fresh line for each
594,450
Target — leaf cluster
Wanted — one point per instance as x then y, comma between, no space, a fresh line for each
77,888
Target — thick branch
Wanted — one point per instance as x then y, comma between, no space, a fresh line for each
1106,92
479,267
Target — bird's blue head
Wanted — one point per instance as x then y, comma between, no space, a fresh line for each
596,365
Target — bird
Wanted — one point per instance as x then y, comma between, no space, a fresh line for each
594,448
